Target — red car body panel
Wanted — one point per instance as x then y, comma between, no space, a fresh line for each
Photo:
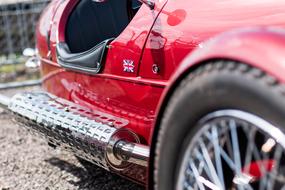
161,39
236,45
265,46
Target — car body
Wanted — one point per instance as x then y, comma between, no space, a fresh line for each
157,49
150,40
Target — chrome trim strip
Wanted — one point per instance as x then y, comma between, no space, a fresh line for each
133,153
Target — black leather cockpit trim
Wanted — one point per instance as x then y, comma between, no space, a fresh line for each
90,61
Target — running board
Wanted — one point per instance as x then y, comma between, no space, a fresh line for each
79,130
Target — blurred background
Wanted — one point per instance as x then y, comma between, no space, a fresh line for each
18,19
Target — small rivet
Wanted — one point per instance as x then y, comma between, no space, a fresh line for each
155,68
66,109
111,124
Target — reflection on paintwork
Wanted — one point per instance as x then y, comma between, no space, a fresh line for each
186,26
177,30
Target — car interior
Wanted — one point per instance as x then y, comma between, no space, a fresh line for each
90,28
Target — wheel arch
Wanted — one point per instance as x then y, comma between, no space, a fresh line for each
266,47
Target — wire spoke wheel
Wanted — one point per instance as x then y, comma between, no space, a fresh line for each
233,150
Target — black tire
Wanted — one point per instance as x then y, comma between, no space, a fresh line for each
213,86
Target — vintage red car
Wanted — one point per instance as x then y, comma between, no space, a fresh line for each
172,94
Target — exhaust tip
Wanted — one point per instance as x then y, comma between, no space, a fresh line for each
114,156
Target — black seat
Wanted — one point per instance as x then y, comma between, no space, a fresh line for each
90,27
88,61
91,23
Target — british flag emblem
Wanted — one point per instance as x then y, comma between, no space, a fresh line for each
129,66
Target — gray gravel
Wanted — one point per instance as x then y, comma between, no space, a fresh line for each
27,162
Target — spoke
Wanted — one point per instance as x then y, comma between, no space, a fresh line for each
229,145
188,187
228,160
224,155
235,144
218,160
265,180
217,152
209,163
256,155
249,150
208,183
196,187
188,174
196,174
202,165
274,172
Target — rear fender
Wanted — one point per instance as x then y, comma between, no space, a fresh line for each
263,48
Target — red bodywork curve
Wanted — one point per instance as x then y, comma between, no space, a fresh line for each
113,91
242,45
262,48
173,40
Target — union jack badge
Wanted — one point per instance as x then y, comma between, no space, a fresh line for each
129,66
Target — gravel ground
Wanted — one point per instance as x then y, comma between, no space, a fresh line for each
27,162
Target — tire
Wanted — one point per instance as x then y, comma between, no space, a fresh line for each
206,93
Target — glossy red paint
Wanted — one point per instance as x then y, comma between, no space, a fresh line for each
260,47
116,92
44,28
184,26
158,41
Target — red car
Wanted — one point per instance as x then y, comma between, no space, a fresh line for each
173,94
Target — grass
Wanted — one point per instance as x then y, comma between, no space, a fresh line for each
11,68
17,72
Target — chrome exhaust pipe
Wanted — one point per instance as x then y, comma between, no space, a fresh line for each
79,130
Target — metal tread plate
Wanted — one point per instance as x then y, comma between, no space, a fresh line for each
65,125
